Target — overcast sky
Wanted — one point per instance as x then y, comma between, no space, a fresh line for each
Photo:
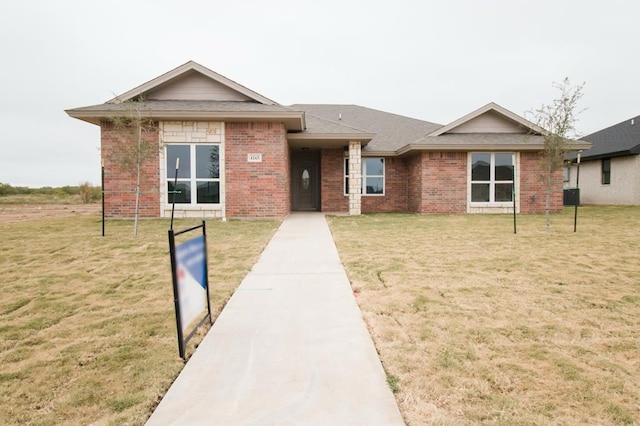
430,60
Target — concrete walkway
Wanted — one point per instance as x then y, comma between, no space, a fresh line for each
289,348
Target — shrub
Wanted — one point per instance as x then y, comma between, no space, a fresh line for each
6,189
89,193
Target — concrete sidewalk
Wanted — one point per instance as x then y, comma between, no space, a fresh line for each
289,348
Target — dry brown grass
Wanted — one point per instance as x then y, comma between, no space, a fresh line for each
476,325
87,326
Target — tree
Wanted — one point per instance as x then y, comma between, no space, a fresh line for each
131,147
558,119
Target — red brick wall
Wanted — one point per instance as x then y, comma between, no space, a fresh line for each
257,189
532,187
414,182
444,182
332,176
120,182
395,189
332,193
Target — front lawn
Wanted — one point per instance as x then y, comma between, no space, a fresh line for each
87,324
477,325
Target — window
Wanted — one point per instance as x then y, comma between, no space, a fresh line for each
198,175
566,174
492,177
372,176
606,171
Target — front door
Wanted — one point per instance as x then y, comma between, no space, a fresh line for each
305,181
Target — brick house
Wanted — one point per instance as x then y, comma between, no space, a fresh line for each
244,155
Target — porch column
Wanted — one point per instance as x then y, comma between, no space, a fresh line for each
355,178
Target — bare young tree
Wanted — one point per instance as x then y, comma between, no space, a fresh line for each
131,146
559,120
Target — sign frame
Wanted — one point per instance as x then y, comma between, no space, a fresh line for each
178,298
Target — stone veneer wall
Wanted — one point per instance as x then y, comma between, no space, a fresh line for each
260,189
119,184
192,132
355,178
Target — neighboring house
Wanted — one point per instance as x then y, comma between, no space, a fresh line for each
610,170
243,155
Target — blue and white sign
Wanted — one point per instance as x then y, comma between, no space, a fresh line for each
192,279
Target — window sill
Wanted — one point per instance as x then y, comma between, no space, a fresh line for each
496,205
195,207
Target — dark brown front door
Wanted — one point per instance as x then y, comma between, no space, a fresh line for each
305,181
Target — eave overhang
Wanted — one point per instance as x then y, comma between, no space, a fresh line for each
624,153
327,140
515,147
294,121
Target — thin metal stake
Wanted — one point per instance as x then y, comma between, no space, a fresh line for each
513,194
102,191
577,201
175,184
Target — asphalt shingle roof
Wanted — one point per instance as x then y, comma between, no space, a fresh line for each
392,131
189,106
620,139
317,124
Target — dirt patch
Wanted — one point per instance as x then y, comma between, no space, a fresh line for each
23,212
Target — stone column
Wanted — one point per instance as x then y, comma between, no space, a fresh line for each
355,178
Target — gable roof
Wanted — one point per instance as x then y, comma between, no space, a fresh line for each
491,107
615,141
236,103
389,131
182,70
506,131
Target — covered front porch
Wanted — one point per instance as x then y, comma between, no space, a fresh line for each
315,180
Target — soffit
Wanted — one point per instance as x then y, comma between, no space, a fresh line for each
195,111
483,142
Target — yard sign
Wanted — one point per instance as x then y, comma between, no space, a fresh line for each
190,283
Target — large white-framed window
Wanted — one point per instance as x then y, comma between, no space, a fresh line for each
492,178
198,180
372,176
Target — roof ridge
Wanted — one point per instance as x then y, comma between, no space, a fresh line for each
337,123
371,109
